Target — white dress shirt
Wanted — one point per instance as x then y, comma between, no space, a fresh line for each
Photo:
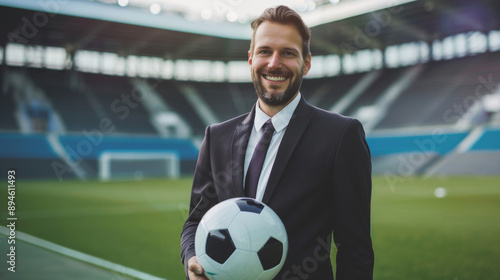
280,122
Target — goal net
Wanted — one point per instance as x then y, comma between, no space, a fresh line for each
138,165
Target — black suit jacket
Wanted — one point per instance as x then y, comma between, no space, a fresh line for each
320,182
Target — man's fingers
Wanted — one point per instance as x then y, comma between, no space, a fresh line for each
196,268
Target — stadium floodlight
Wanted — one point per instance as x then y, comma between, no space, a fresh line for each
347,9
155,8
206,14
122,3
232,16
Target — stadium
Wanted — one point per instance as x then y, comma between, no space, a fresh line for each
104,105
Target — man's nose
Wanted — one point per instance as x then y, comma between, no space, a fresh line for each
274,61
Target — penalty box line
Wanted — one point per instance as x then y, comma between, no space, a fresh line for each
79,255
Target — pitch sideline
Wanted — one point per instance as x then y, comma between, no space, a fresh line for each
79,255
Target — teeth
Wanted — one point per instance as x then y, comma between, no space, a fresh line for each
275,79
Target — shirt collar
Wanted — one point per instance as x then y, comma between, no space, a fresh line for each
280,120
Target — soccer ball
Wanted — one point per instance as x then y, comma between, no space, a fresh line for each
241,239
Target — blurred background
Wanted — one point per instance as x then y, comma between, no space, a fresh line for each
104,103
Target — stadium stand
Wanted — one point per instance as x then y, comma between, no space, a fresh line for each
173,96
444,91
246,96
218,97
73,105
326,91
388,77
7,109
120,102
423,104
444,100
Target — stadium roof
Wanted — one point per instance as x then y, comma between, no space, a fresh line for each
108,27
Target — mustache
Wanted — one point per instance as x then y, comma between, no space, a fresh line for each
275,72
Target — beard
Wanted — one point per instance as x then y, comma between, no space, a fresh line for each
281,98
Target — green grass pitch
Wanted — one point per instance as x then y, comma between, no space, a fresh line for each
138,224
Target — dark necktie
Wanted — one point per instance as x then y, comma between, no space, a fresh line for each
259,154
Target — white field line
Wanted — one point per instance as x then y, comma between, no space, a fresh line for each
79,255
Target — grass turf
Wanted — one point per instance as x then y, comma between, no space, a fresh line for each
138,224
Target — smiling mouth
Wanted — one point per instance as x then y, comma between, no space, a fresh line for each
275,78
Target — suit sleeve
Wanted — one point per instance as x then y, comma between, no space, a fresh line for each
203,197
351,205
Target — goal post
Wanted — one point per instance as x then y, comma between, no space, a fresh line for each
138,165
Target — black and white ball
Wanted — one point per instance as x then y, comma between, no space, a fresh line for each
241,239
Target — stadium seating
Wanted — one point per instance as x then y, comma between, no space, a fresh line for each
444,92
388,77
218,97
73,105
173,96
325,92
403,142
247,96
120,103
7,111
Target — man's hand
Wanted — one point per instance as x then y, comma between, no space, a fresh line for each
195,271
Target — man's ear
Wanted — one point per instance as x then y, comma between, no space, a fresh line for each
250,58
307,64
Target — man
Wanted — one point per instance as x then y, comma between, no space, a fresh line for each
316,174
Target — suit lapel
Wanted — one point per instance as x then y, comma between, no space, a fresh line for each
294,132
238,150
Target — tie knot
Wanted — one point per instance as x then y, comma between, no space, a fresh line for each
268,126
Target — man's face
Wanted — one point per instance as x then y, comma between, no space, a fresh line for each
277,64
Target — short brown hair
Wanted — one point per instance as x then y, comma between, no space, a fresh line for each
284,15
